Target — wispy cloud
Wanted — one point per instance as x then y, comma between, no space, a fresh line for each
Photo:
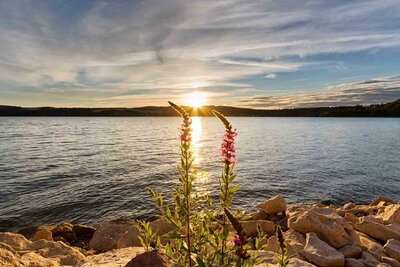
113,49
377,91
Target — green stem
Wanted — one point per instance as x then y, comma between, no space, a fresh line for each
224,205
187,204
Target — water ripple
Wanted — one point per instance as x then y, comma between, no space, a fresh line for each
87,170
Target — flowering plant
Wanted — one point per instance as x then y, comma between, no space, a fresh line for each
202,231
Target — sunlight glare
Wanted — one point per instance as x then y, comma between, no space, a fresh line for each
195,99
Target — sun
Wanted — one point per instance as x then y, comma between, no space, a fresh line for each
195,99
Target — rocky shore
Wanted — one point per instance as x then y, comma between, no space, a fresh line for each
318,235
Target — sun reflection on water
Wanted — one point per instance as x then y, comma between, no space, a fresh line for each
196,134
202,178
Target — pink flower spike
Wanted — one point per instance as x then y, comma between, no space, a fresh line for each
228,152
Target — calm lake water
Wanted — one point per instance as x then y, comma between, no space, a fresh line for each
88,170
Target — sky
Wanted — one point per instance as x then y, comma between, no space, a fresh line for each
258,54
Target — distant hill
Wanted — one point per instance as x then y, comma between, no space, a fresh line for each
391,109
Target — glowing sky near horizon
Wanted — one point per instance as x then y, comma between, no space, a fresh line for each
259,54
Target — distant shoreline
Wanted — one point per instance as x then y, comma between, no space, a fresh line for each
391,109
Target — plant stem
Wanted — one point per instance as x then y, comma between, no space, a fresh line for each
224,205
187,205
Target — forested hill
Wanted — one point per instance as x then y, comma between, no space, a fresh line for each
391,109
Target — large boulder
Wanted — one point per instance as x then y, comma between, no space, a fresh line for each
320,253
250,227
113,258
130,237
9,257
391,214
16,241
392,248
43,234
379,231
65,231
107,234
368,244
42,250
152,258
325,222
63,253
295,240
273,205
83,232
161,226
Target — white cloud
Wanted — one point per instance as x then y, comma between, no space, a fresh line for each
117,46
271,76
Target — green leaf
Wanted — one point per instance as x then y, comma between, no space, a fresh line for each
173,235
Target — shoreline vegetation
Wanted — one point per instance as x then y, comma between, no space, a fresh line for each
314,234
191,230
391,109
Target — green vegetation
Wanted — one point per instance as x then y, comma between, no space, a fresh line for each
203,235
391,109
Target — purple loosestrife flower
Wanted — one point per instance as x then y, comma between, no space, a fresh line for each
228,152
237,241
186,131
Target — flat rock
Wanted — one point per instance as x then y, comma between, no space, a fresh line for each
272,245
350,217
106,236
392,262
325,222
113,258
320,253
380,199
259,215
295,239
250,227
391,214
392,248
273,205
369,244
378,231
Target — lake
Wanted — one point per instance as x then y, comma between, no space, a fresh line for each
87,170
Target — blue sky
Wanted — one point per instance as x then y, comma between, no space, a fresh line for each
260,54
